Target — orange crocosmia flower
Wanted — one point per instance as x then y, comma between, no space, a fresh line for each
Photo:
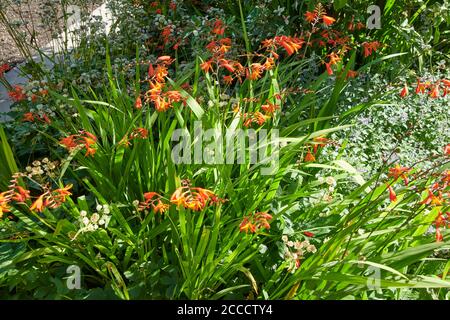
399,172
160,207
206,66
151,71
141,133
256,71
309,157
434,93
328,67
420,88
161,104
38,205
45,119
138,103
178,197
174,96
64,192
165,59
269,107
351,74
4,203
404,91
17,94
269,63
392,195
228,79
310,16
447,150
290,47
150,195
439,237
90,151
328,20
28,117
21,194
218,28
227,65
69,142
320,141
433,200
247,226
370,47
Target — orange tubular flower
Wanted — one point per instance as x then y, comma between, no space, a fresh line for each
434,93
4,203
206,66
21,194
218,28
227,65
310,16
399,172
370,47
140,133
28,117
38,205
58,196
194,198
351,74
255,222
84,138
228,79
256,71
420,88
138,103
160,207
439,237
392,195
328,20
269,108
17,94
328,67
404,91
309,157
447,150
247,226
320,141
433,200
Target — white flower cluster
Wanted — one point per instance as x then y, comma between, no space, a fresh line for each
294,251
99,219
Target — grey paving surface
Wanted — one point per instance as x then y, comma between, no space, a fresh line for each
15,76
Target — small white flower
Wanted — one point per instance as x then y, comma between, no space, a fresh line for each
290,244
83,213
330,181
95,217
85,221
311,248
284,238
99,208
262,248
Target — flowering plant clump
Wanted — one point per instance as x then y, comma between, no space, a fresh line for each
231,150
